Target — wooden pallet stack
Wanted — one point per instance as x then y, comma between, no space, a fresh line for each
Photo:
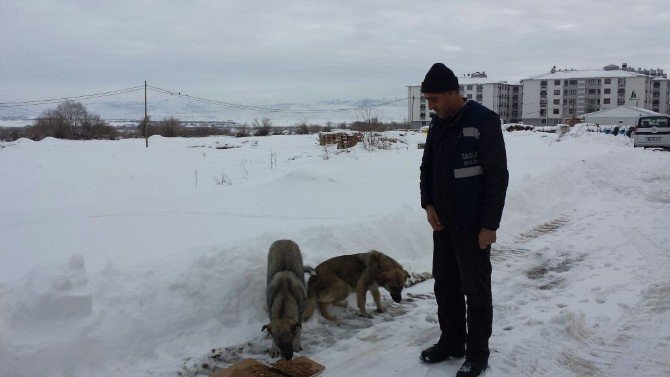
343,139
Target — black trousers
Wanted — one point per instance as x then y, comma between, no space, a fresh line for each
462,270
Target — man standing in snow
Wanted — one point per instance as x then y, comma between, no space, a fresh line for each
463,185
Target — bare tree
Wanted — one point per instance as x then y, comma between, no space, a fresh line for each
368,120
94,127
262,127
74,113
170,127
301,129
242,131
50,124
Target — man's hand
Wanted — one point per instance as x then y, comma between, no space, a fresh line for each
433,218
486,238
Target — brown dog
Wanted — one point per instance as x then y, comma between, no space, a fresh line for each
338,277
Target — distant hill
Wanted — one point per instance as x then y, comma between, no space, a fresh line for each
340,110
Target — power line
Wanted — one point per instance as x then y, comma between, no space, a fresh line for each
194,99
81,97
266,109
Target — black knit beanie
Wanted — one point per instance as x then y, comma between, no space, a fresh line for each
439,79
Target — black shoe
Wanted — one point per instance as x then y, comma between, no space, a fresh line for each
471,368
438,353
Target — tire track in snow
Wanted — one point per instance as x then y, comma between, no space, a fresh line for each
643,332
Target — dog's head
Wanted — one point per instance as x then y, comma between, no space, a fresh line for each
283,331
393,280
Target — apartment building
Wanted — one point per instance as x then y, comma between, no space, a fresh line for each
559,95
499,96
660,95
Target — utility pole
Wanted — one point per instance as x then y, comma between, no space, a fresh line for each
146,125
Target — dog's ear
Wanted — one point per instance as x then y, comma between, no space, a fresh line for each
383,277
407,275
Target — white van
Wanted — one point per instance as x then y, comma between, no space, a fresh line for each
653,132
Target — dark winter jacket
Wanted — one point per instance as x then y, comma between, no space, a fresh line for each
464,168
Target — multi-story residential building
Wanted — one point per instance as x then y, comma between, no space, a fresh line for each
418,113
660,95
563,94
499,96
559,95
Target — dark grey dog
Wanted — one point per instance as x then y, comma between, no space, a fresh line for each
286,295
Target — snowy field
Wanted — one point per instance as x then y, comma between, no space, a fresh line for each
118,260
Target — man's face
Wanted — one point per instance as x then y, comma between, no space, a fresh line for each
444,104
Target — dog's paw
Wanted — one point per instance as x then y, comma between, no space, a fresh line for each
381,309
365,315
297,345
274,351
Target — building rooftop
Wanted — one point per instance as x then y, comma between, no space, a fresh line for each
585,73
481,80
622,111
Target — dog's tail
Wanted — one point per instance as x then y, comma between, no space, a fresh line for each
310,305
309,270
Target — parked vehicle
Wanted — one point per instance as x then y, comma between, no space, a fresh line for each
652,132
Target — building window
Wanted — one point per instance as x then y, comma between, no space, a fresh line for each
573,82
557,102
469,96
592,91
543,121
543,112
606,101
469,87
557,92
622,91
620,101
565,102
543,83
555,111
608,81
607,91
571,111
557,82
543,93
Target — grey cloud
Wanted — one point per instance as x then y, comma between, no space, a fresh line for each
298,50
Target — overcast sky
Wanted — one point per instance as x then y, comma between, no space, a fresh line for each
258,52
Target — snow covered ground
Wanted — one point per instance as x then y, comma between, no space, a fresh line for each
118,260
